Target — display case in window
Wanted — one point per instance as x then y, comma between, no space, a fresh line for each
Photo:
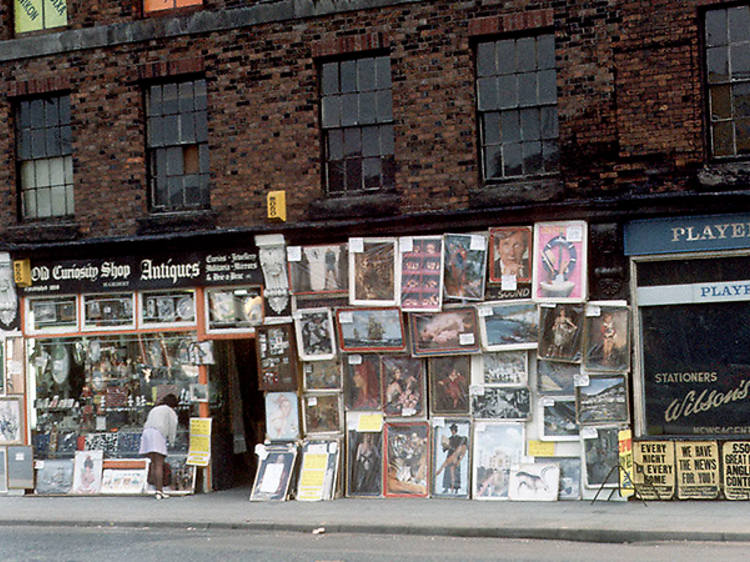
167,308
52,314
108,312
234,308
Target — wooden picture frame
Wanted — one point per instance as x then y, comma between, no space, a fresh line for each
607,338
464,266
364,469
451,332
451,454
363,383
282,416
316,340
509,325
604,400
407,459
560,261
421,273
496,447
403,387
371,329
323,413
277,358
374,271
450,379
12,427
561,332
274,475
323,375
511,253
318,269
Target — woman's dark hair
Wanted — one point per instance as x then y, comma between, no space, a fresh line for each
170,400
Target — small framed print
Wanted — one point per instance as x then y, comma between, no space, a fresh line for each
282,416
560,252
403,387
421,273
51,314
374,271
509,325
234,308
277,360
561,332
604,400
323,375
601,455
497,446
506,368
54,476
167,308
362,383
323,413
451,449
452,332
534,482
319,270
407,459
465,265
275,468
364,474
315,337
450,378
510,253
109,312
496,403
556,379
607,338
570,476
557,419
370,330
11,421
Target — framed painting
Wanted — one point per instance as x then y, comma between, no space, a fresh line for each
364,476
403,387
451,447
452,332
604,400
277,359
556,379
274,474
557,419
465,265
323,413
282,416
407,459
534,482
362,383
374,271
450,378
323,375
607,338
318,270
315,336
510,253
509,325
370,330
11,421
601,455
561,332
497,403
497,446
507,368
560,253
421,273
570,476
87,472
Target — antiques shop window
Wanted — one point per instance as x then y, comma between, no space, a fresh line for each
35,15
357,118
177,124
517,107
150,6
44,157
728,77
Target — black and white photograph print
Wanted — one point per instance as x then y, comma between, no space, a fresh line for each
315,336
561,332
603,400
507,368
558,421
556,379
497,403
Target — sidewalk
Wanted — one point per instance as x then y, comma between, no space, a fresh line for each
581,521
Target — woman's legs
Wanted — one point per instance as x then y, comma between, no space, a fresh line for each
157,470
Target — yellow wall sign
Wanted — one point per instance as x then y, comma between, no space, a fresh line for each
625,438
199,452
541,449
22,272
33,15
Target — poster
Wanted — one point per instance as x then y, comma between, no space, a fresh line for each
559,272
451,440
199,451
534,482
421,273
317,478
654,474
697,470
735,456
87,472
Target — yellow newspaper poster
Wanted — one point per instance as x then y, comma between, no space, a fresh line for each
736,457
199,452
654,474
625,438
697,470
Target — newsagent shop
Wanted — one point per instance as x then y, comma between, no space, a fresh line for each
453,365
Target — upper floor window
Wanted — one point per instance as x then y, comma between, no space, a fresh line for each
35,15
517,103
150,6
357,118
177,124
728,76
44,157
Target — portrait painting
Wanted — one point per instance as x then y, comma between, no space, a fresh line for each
497,446
558,420
274,474
373,271
570,476
560,252
323,413
323,375
603,400
322,269
601,455
556,379
451,447
315,337
506,368
370,329
607,338
450,378
464,266
490,402
510,253
362,382
534,482
277,358
11,422
364,476
561,336
451,332
407,459
509,325
54,476
422,273
87,472
282,416
403,386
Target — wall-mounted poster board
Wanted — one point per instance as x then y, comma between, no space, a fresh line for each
697,470
654,470
20,467
736,470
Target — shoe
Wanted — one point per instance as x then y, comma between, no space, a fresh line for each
160,495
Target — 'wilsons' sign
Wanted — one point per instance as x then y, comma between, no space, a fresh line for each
137,273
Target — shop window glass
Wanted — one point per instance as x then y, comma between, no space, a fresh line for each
101,312
234,308
36,15
167,308
53,314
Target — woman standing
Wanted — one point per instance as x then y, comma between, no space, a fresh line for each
160,427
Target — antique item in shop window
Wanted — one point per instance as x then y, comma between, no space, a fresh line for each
407,459
557,419
275,469
496,448
654,470
698,475
450,378
451,449
364,474
14,366
403,387
421,273
323,375
282,416
534,482
603,400
601,457
319,270
607,338
561,332
464,266
508,368
54,314
323,413
362,382
108,311
510,254
490,402
374,271
370,330
277,358
570,476
509,325
560,265
168,308
9,303
11,421
315,337
452,332
234,307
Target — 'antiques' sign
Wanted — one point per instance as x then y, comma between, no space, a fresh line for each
697,470
654,474
736,457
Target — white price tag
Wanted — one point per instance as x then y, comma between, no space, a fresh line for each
406,244
509,283
294,253
574,233
466,339
485,311
438,422
581,380
355,359
589,433
356,245
593,310
312,401
476,390
260,451
346,317
546,401
478,243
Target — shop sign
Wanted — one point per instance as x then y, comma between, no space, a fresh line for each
654,474
147,272
687,234
736,463
697,470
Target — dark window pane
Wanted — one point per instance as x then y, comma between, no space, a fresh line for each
723,139
38,144
491,128
175,192
530,125
24,115
156,131
545,52
349,109
549,128
743,136
352,143
716,27
493,162
155,106
717,62
486,59
382,73
367,108
506,56
389,171
185,92
385,106
349,76
527,89
551,156
329,79
175,161
187,128
739,24
526,54
510,126
547,86
52,115
37,113
741,99
487,91
201,126
386,139
171,129
193,194
336,145
508,91
370,141
366,73
201,96
24,146
513,160
53,142
66,140
169,99
331,109
721,102
65,110
335,176
532,157
353,174
372,171
740,55
204,163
